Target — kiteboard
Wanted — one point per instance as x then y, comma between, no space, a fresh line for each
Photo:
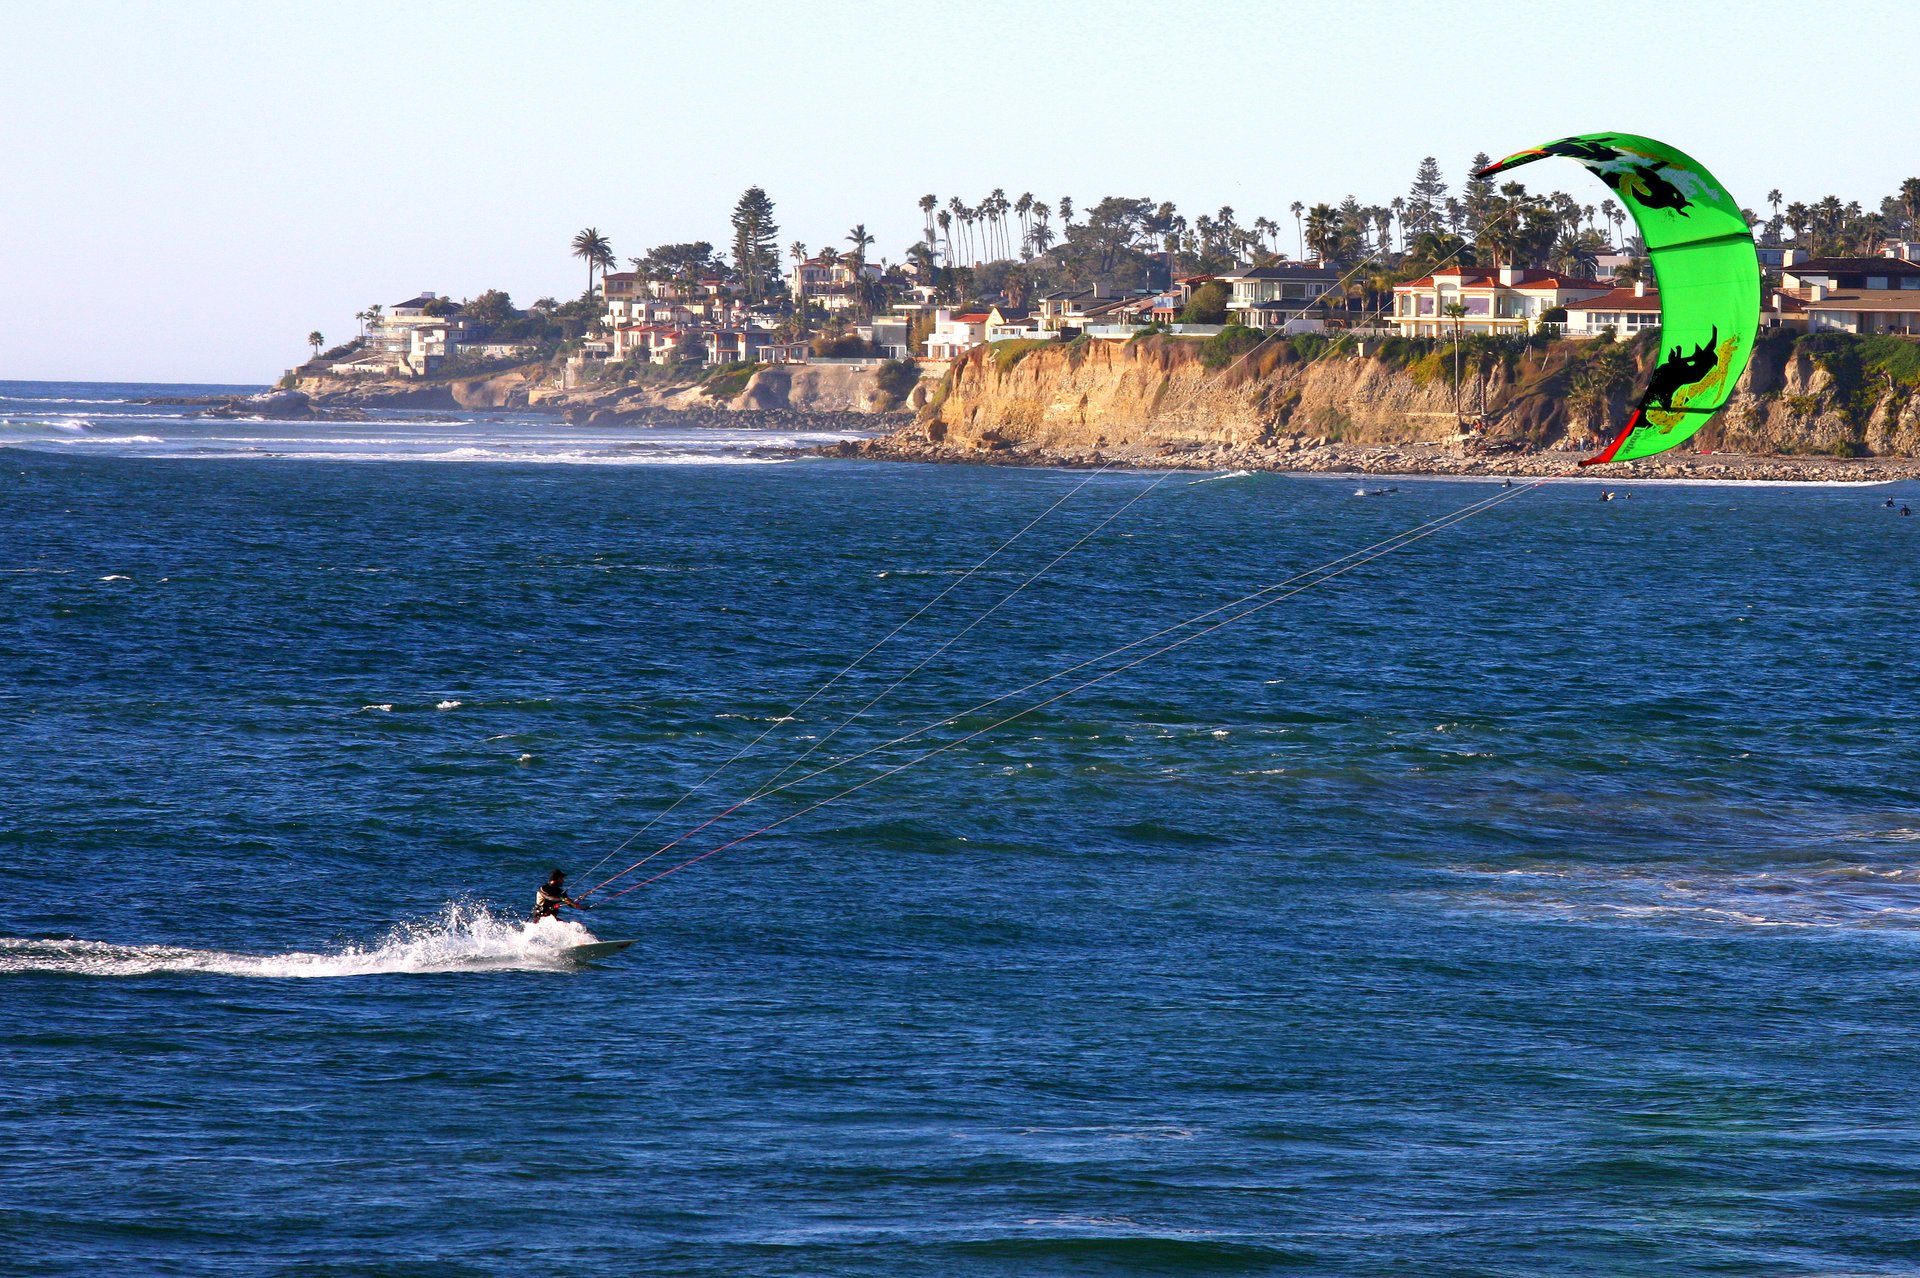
595,950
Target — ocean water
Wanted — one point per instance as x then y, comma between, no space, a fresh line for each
1541,898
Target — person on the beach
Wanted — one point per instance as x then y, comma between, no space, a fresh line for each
547,902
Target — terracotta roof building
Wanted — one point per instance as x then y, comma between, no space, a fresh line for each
1624,311
1505,299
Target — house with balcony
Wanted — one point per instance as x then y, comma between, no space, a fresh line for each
832,286
1853,294
736,345
1015,324
1258,296
1503,299
412,338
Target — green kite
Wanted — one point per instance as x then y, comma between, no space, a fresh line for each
1707,271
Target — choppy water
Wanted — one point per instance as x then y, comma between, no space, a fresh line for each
1542,899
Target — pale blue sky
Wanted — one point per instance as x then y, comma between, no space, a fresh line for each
190,187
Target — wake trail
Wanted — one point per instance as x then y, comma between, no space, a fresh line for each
463,937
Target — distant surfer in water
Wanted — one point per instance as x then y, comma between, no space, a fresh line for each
552,895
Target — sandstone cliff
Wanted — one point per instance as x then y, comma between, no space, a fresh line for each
1159,395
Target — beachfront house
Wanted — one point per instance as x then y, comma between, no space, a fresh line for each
1622,312
1852,294
892,334
413,338
954,335
1278,296
1503,299
832,286
1015,324
743,345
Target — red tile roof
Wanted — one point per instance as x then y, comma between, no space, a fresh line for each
1489,277
1621,299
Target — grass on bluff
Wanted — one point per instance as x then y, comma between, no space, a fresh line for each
1008,353
724,381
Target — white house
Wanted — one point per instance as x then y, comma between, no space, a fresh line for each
955,335
1625,311
1505,299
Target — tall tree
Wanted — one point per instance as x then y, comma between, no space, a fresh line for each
1066,210
1296,208
928,203
594,249
315,340
1426,197
756,240
945,219
1477,196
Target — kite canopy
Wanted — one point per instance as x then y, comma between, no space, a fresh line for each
1708,273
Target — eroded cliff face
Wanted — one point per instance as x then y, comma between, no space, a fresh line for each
1158,393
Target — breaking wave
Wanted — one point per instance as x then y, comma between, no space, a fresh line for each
463,937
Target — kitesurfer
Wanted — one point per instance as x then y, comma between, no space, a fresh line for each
547,902
1889,503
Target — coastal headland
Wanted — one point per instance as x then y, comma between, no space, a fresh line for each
1818,409
1803,410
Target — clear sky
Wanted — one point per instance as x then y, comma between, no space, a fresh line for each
186,189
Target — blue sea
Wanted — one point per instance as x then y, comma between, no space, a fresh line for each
1540,898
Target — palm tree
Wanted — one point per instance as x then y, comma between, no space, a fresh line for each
1797,219
316,341
1614,214
1573,254
995,208
1398,207
1321,231
945,219
797,251
1296,208
374,313
594,249
1024,207
928,203
1774,197
1910,196
1066,210
1041,236
861,242
957,208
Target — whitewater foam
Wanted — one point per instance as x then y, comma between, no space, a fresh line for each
463,937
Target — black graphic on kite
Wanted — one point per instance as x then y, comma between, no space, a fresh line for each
1677,372
1644,183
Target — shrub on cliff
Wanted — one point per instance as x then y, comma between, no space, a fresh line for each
896,379
1229,344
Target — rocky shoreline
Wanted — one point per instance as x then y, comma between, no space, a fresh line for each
910,442
1412,459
